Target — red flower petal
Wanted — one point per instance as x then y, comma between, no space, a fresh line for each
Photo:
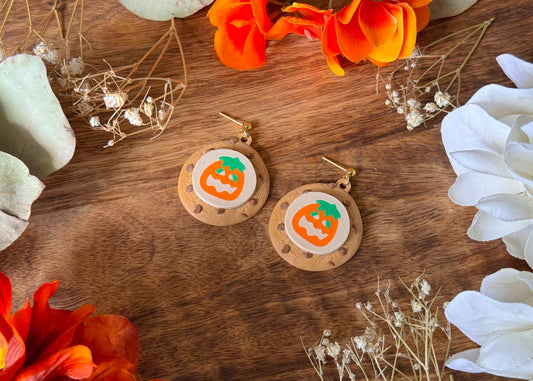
422,17
390,50
74,362
330,45
220,15
377,22
346,14
110,336
114,369
21,320
15,357
352,41
409,31
261,16
5,296
230,47
333,63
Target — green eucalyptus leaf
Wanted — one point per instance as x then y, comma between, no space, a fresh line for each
447,8
164,10
18,190
32,124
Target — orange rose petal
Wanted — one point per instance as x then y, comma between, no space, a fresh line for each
21,320
390,50
15,357
346,14
229,46
308,12
377,22
114,369
261,15
409,31
110,336
281,28
334,65
352,41
255,48
422,17
330,45
219,8
5,296
74,362
377,63
233,12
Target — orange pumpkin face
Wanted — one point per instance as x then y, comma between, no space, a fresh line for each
224,178
317,223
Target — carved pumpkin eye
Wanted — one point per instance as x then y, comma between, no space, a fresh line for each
314,215
220,171
233,177
326,223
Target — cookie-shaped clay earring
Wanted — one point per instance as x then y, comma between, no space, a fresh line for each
225,182
317,227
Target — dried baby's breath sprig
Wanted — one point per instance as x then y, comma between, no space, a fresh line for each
423,86
407,341
131,99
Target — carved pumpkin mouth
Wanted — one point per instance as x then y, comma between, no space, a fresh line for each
310,228
219,185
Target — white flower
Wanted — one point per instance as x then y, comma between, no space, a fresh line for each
414,119
94,121
425,288
500,320
133,116
442,99
75,66
115,100
430,107
333,349
50,55
489,142
416,306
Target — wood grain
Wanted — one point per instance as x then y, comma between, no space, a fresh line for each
218,303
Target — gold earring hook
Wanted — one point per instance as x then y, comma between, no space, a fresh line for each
348,172
245,126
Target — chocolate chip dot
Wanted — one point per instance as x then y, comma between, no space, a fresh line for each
220,210
332,185
233,141
244,215
342,251
307,191
355,228
346,203
189,188
262,177
190,167
331,263
280,227
308,255
209,149
250,155
284,206
197,208
285,249
253,201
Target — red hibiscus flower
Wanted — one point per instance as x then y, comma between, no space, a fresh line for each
39,343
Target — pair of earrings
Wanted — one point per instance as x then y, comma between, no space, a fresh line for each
314,227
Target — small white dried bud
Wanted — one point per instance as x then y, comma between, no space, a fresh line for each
430,107
428,89
94,121
388,86
388,102
50,55
425,288
115,100
320,352
442,99
400,110
413,103
395,94
149,100
333,349
75,66
110,143
148,108
326,333
133,116
358,305
416,306
368,306
414,119
398,319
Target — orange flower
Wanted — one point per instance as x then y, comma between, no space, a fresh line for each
302,19
381,31
240,40
39,343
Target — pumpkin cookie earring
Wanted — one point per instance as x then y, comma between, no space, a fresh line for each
318,226
225,182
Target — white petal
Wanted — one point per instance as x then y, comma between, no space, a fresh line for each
517,133
528,250
509,285
486,227
482,161
518,158
500,101
515,242
518,71
511,351
467,362
471,128
480,317
528,130
470,187
508,207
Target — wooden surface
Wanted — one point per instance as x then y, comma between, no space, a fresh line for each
218,303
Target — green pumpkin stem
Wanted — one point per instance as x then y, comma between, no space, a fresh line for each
329,209
232,163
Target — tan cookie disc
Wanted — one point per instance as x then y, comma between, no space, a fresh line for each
327,210
224,179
